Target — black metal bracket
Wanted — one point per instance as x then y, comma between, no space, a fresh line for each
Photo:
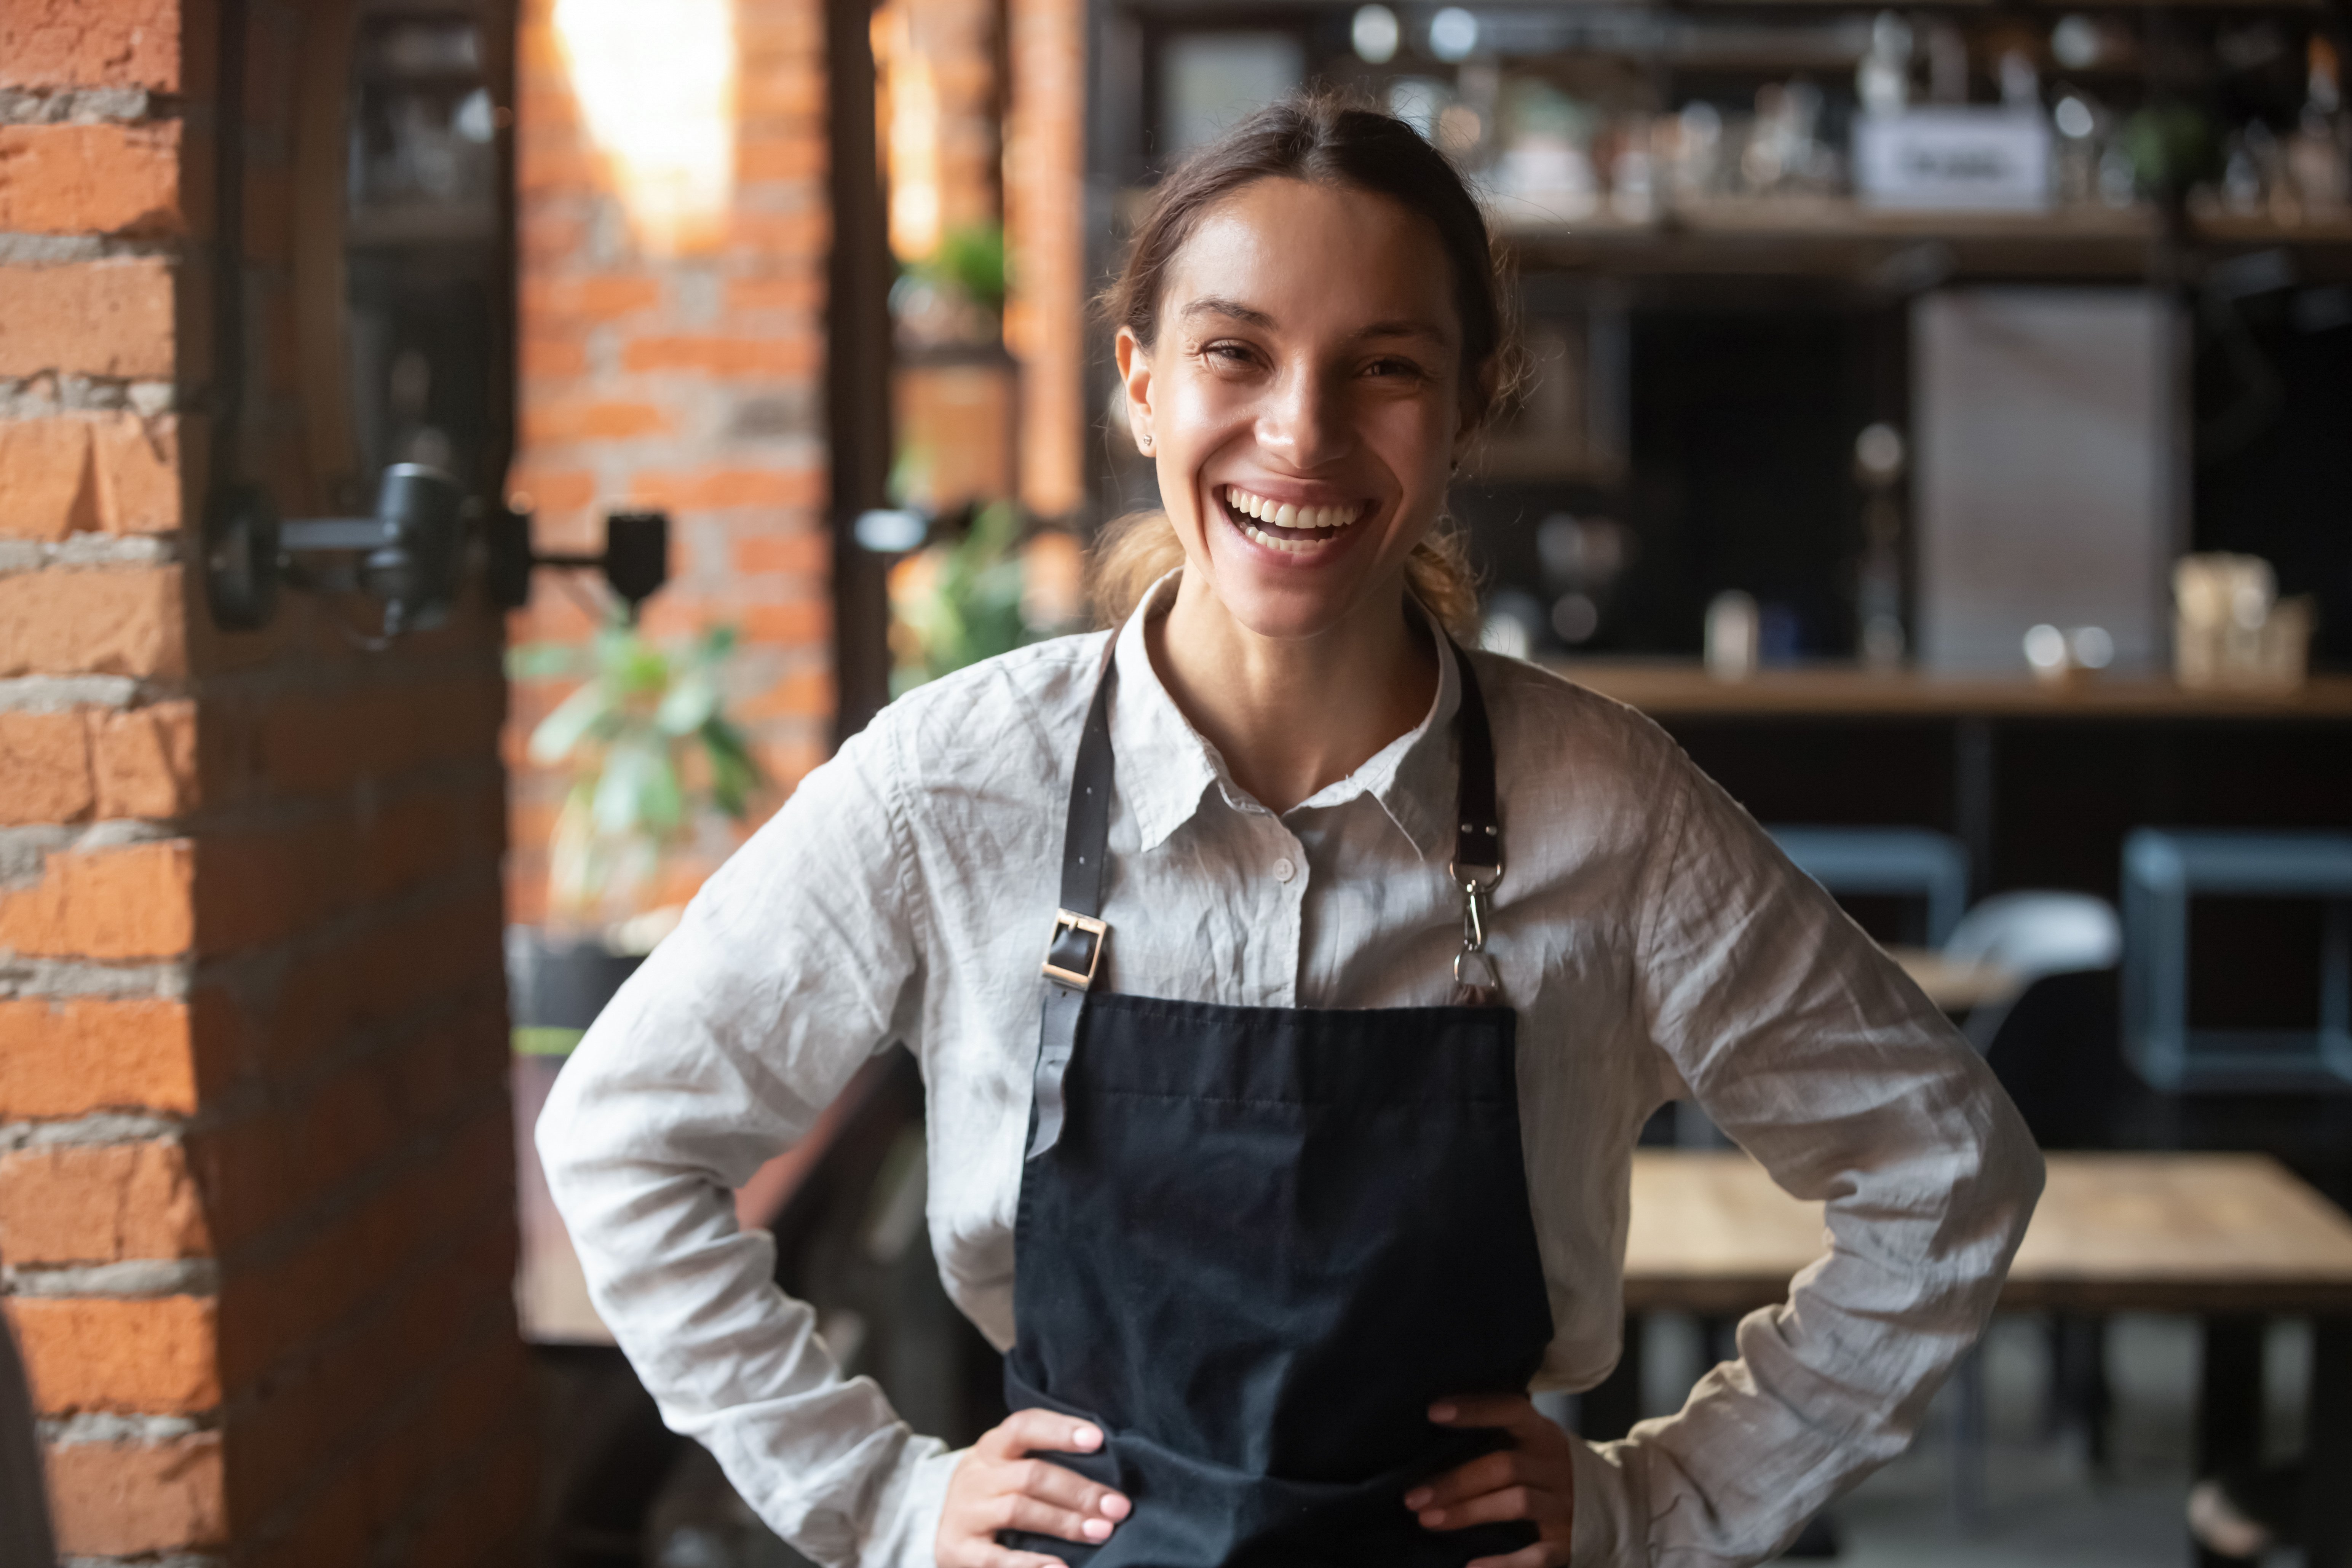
635,561
410,554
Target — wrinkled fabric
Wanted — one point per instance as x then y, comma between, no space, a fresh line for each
1269,1240
1653,941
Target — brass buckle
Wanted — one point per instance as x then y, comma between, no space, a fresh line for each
1065,919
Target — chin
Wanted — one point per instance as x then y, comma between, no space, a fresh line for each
1286,596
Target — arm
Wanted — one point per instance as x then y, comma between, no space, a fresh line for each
797,962
1809,1048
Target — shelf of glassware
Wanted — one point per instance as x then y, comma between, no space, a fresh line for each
1832,234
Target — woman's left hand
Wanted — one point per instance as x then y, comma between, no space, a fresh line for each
1534,1479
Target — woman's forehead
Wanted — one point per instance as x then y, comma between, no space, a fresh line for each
1287,255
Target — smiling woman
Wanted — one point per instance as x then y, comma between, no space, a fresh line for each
1302,1157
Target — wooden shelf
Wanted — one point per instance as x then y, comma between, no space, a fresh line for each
1837,237
1663,689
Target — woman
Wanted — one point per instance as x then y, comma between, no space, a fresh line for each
1367,958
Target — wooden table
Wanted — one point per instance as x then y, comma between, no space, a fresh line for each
2232,1239
1958,988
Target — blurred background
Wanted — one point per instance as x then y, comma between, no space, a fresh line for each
462,462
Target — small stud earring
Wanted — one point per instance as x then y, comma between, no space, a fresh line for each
1147,441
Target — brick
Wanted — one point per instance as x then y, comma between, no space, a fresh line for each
73,43
712,489
156,1356
69,1058
595,298
797,295
802,625
143,762
726,356
132,901
93,318
801,554
545,359
109,473
97,622
590,419
780,157
551,489
802,694
45,759
262,886
120,1500
102,1204
91,179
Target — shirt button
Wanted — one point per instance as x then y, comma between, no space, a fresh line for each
1284,869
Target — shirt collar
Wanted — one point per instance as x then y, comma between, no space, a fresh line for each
1411,776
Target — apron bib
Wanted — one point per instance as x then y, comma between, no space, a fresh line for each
1254,1244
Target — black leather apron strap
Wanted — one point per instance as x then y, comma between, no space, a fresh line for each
1074,951
1478,830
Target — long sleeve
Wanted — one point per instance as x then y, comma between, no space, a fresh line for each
797,962
1810,1049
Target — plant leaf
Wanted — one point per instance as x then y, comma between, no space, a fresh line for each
564,728
690,702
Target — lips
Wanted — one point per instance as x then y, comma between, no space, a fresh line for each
1286,526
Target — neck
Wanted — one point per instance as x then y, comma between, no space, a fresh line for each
1291,716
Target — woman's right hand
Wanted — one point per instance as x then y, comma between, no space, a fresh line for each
998,1486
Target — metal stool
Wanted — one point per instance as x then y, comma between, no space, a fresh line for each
2162,869
1913,861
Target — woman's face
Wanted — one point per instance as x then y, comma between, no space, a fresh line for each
1303,400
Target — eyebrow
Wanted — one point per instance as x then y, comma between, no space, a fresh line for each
1212,305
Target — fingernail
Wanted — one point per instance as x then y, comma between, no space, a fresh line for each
1415,1498
1442,1412
1433,1517
1114,1506
1086,1437
1097,1529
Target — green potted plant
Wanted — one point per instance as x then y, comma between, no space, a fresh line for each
650,756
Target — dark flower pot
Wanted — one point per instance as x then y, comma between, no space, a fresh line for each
557,985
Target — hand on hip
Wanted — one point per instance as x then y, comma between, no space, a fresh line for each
1533,1479
999,1486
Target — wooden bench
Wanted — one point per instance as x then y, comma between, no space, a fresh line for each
2230,1238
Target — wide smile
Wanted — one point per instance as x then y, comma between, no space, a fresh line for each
1287,527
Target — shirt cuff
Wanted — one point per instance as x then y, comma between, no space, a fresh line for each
914,1520
1609,1529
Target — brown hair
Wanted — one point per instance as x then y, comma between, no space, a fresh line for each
1328,139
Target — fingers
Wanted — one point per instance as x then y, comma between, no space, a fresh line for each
1511,1412
1026,1431
980,1553
1542,1555
1489,1472
1049,1483
1019,1511
1488,1507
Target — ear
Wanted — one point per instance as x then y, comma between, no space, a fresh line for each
1135,379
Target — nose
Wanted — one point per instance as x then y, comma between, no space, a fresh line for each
1304,421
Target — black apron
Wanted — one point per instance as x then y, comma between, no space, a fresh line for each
1255,1243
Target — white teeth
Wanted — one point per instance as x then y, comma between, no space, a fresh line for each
1286,515
1287,546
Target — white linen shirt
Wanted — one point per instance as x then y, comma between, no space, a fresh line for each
1654,942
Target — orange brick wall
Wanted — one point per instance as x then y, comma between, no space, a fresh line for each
692,382
256,1166
1044,231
